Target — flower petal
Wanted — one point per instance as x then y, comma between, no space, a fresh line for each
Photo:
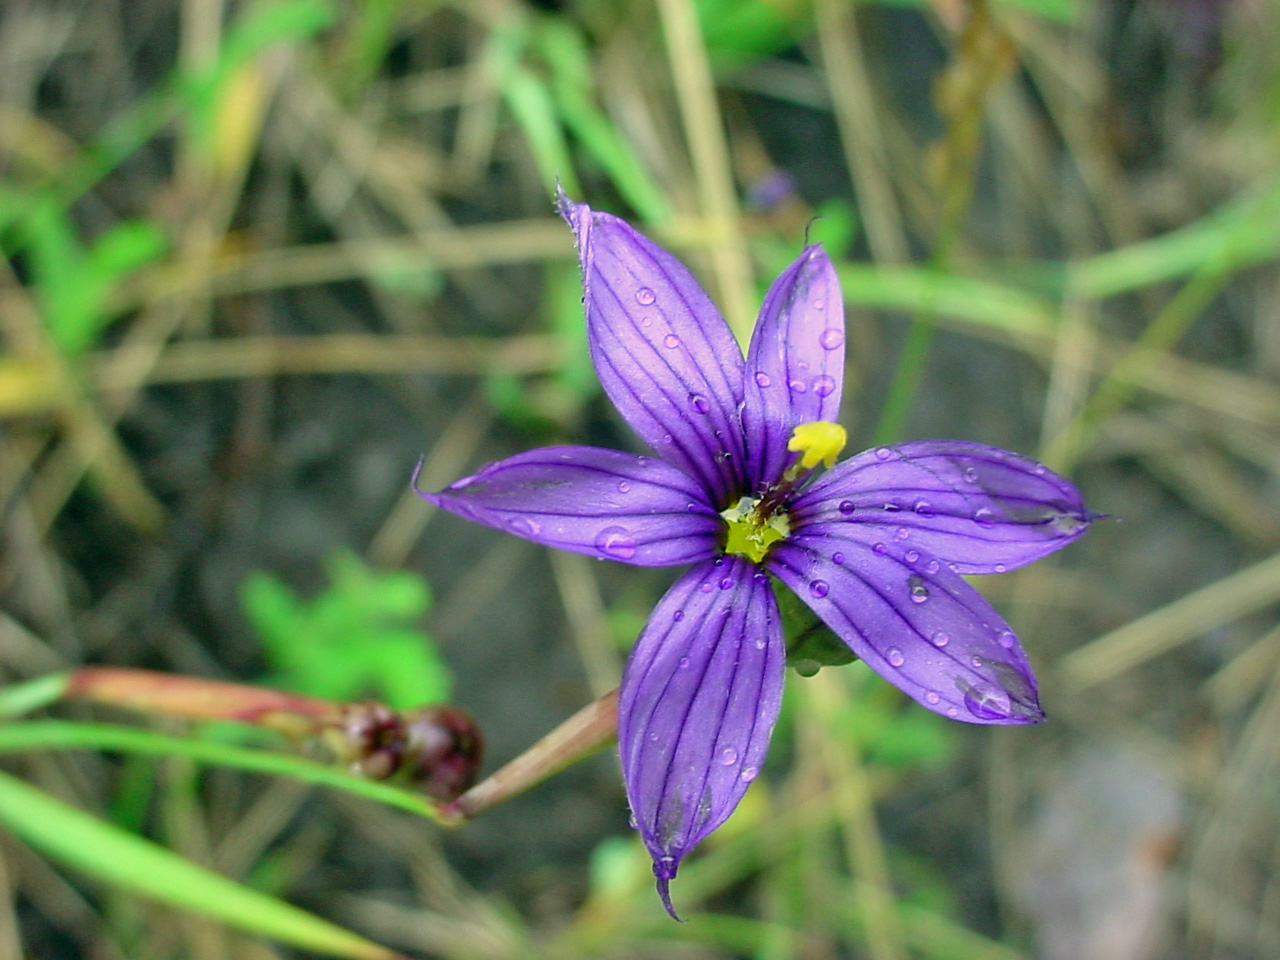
978,508
914,621
795,366
663,353
699,700
605,503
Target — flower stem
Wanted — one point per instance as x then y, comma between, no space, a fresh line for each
585,732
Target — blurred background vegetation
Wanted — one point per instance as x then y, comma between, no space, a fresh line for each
259,257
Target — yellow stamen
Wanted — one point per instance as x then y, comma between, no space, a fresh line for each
817,442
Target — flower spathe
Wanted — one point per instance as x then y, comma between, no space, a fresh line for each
876,545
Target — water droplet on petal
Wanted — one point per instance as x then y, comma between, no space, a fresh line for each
919,592
987,702
762,380
699,402
883,453
678,616
523,526
976,662
984,517
726,583
879,548
798,386
823,385
633,822
971,474
819,304
749,773
892,506
924,508
728,756
1007,640
931,698
691,507
837,558
846,506
913,556
624,486
819,588
940,638
616,543
645,296
831,339
684,663
932,566
706,588
1001,568
895,657
671,341
901,533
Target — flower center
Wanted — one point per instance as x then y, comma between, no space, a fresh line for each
754,527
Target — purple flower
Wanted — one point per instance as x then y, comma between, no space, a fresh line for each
875,546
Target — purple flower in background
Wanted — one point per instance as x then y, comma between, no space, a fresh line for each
875,546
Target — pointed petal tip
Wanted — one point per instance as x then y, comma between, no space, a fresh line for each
664,869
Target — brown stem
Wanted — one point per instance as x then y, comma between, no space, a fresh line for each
583,733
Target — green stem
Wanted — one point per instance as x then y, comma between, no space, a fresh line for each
61,735
18,699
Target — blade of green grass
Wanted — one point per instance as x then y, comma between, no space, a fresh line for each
65,735
124,860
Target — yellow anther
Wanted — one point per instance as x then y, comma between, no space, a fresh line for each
817,442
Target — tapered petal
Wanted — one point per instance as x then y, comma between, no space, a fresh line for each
913,621
663,353
605,503
795,366
977,508
699,700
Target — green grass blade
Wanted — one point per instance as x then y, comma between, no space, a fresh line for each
122,859
62,735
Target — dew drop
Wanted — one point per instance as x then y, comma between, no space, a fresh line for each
1001,568
879,548
633,822
706,588
684,663
823,385
883,453
819,588
646,321
691,507
932,566
729,756
952,711
699,402
940,639
971,474
819,304
919,592
624,486
831,339
931,698
987,702
924,508
846,507
645,296
892,506
671,341
616,543
678,616
1007,640
523,526
760,644
913,556
762,380
837,558
749,773
798,386
976,662
726,583
895,657
901,533
984,517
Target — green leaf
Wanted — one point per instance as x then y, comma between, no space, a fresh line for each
357,638
124,860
